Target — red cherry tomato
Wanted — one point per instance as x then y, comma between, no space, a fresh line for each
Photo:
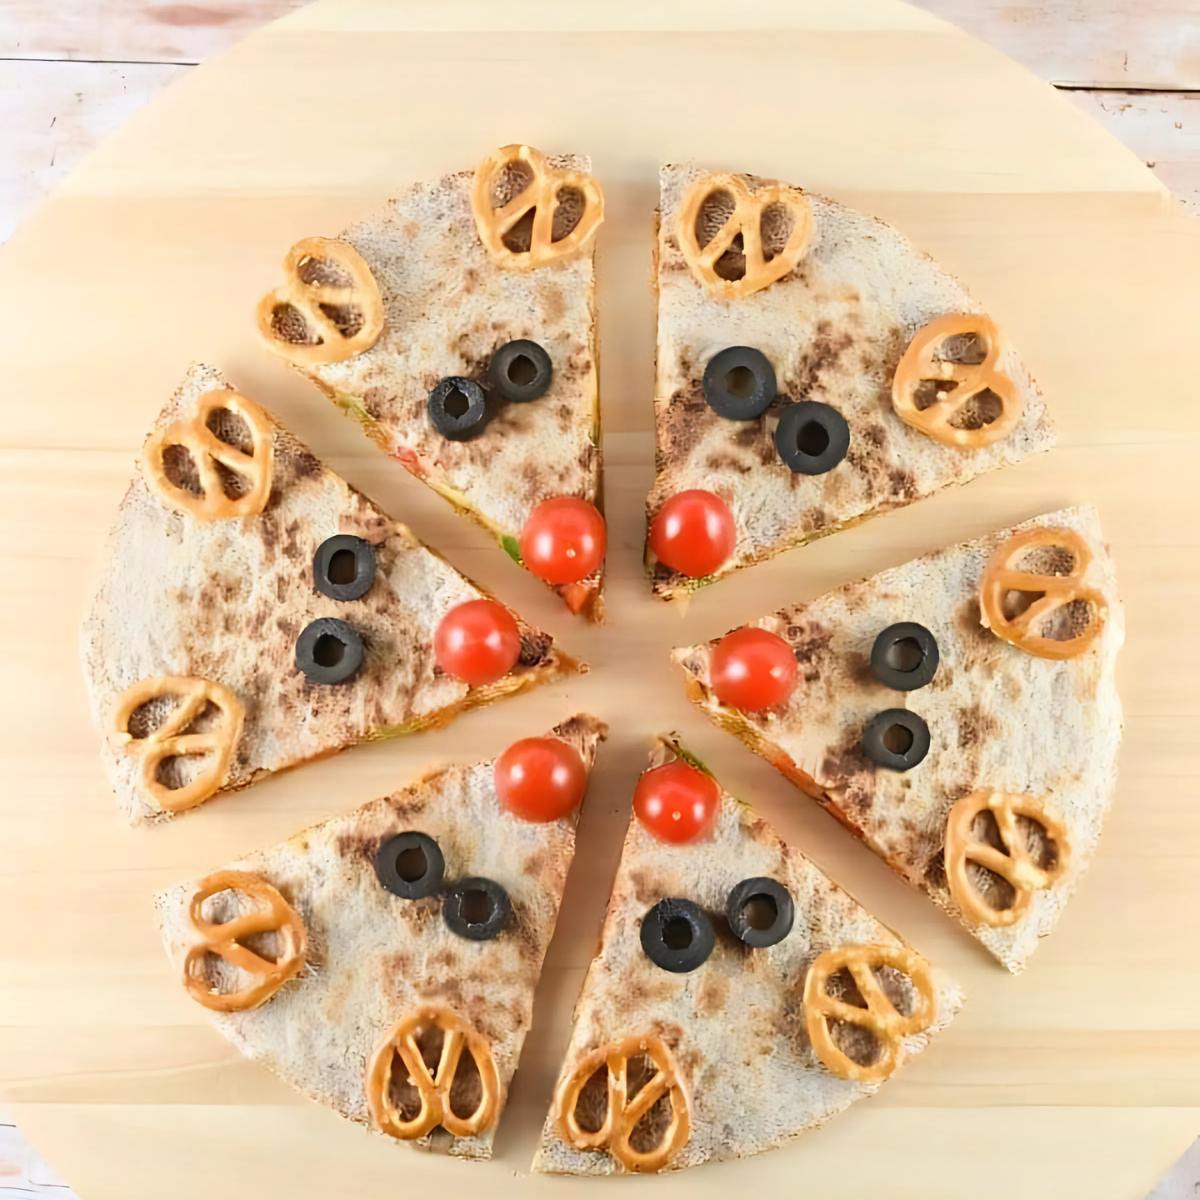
693,533
676,802
540,779
564,540
477,642
752,669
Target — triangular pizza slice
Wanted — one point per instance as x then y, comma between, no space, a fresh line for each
814,368
739,996
457,326
959,713
383,963
256,611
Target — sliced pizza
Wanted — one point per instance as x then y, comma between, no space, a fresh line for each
959,713
457,326
255,611
739,996
814,368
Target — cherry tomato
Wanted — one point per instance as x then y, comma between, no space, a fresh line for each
693,533
477,642
752,669
564,540
676,802
540,779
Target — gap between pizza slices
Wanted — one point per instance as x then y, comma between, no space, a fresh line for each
457,326
813,369
383,963
959,713
256,611
739,996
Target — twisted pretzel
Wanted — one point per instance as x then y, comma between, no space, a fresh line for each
171,739
541,195
880,1017
206,451
920,364
622,1114
745,221
434,1086
224,939
1014,863
313,299
1001,576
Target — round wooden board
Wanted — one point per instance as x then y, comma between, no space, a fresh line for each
1083,1075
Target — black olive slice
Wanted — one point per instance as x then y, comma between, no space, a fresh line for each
457,408
477,909
520,371
739,383
905,656
410,865
344,567
760,911
896,739
329,651
812,437
677,935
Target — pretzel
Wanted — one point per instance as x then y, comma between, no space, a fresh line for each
1014,863
746,221
1001,576
171,739
224,939
540,195
920,364
880,1016
324,342
621,1113
206,451
433,1086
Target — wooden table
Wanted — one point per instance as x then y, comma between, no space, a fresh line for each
1082,1074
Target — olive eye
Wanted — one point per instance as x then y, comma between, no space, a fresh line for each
477,909
410,865
812,437
520,371
677,935
905,656
739,383
760,911
344,567
896,739
457,408
329,651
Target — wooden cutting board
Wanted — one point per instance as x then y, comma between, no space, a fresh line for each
1082,1076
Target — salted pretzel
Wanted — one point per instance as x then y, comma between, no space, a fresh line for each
880,1017
271,914
966,381
1014,863
317,302
622,1113
434,1085
172,740
539,195
745,221
207,451
1002,576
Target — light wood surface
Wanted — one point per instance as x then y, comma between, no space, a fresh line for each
1083,1074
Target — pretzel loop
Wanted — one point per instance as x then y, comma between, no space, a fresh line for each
1056,591
880,1016
621,1114
920,364
171,739
745,221
433,1086
224,939
1014,863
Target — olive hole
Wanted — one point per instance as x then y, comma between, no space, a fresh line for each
343,567
760,912
521,370
677,933
328,651
412,864
477,907
904,655
813,439
740,382
898,739
456,404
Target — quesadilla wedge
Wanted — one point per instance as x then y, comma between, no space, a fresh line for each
814,368
739,996
255,611
458,327
959,713
383,963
